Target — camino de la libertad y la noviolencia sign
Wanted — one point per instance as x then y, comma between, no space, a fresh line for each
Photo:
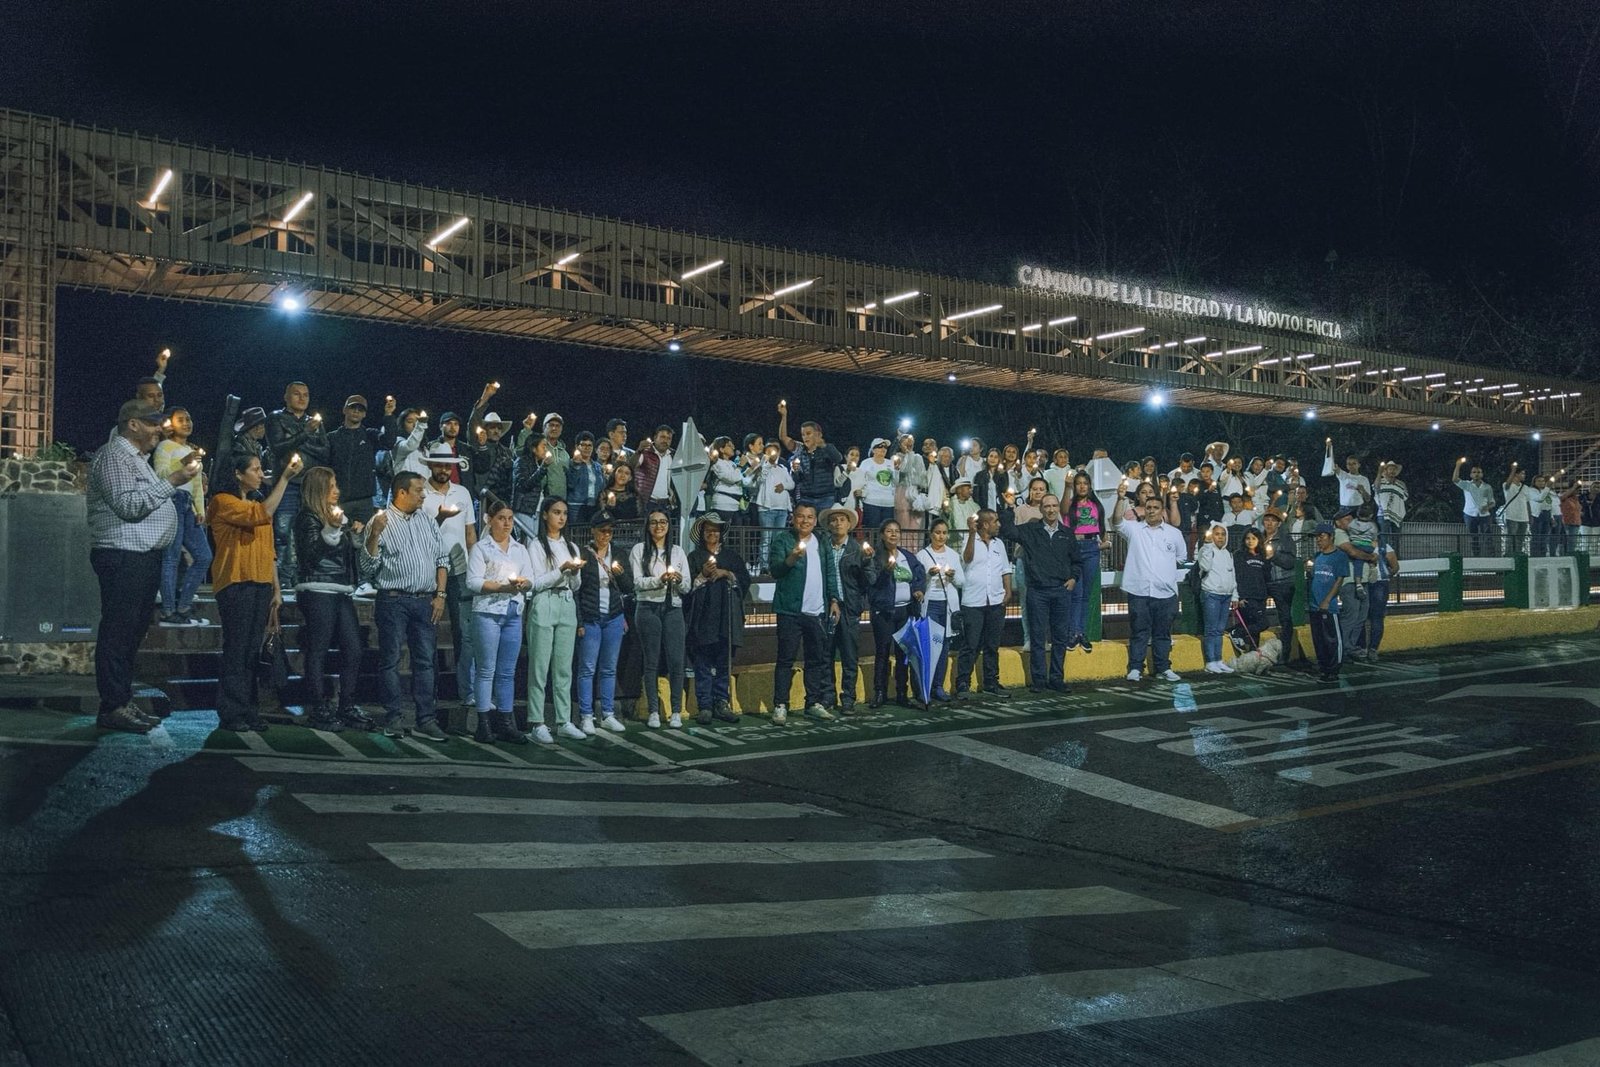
1200,305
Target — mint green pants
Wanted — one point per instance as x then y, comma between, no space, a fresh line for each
552,632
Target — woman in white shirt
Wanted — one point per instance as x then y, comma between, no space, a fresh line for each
658,568
772,487
552,621
724,483
498,570
946,577
1219,592
876,480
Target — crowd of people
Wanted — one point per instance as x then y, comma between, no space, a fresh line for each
531,545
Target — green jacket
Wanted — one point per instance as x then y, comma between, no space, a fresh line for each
791,581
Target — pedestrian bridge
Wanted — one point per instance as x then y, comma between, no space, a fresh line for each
128,213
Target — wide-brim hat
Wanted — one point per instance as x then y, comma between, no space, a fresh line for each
441,456
876,441
959,482
711,518
249,418
494,419
829,513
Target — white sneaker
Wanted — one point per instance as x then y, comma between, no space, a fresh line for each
542,735
614,724
1170,675
1213,667
819,713
780,715
654,722
570,731
588,726
1135,676
1224,667
676,721
364,589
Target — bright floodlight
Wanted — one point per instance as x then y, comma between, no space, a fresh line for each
568,258
950,377
299,206
1158,399
449,231
1311,413
1537,436
1435,426
674,346
290,302
901,296
975,311
795,288
966,443
161,185
703,268
905,423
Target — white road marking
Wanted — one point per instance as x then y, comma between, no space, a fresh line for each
339,744
282,764
799,1030
660,738
638,750
493,750
449,804
1578,1054
421,748
546,855
694,922
253,741
690,739
1095,785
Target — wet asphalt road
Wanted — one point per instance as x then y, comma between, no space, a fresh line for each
1402,871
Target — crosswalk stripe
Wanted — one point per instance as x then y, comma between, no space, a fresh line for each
253,741
782,1033
493,750
420,748
615,926
1579,1054
638,750
662,739
550,855
526,773
448,804
1096,785
691,739
339,744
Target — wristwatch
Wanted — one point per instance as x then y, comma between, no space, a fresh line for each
438,593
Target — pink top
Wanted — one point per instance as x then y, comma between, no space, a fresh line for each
1083,517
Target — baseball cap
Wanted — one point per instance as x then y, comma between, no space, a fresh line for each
1343,513
141,410
1324,527
355,400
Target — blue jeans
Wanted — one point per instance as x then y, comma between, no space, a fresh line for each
405,619
191,535
713,680
282,540
939,611
874,516
1216,607
1481,527
458,606
598,647
1377,608
1048,607
771,519
1078,606
1150,629
498,641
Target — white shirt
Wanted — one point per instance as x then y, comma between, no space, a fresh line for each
1151,568
766,481
605,578
942,588
1477,498
1178,474
453,531
1216,571
812,601
985,578
877,482
1540,501
969,465
488,563
1353,489
1519,495
547,574
648,585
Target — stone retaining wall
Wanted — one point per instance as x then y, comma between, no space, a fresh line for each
42,476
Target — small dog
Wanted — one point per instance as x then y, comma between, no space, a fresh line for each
1259,661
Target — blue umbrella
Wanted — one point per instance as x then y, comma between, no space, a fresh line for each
923,641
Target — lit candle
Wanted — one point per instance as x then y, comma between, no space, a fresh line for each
388,400
712,561
422,414
495,384
801,547
608,469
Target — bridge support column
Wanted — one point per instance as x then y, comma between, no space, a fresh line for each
28,210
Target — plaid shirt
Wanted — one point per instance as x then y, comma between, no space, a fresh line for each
129,507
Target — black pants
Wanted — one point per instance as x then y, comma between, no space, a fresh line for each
885,624
128,585
1283,601
980,633
244,607
1325,636
794,633
327,614
847,647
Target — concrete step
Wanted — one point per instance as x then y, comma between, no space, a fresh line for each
72,694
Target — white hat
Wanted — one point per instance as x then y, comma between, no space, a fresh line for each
493,418
554,416
963,480
441,456
876,441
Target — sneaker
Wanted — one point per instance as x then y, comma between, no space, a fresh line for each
703,717
1059,687
588,726
324,720
654,722
780,715
541,734
173,619
194,620
1214,667
1372,655
676,721
364,589
575,733
819,713
723,712
1224,667
125,719
612,723
1170,675
356,719
1135,676
431,731
1086,644
393,727
1075,641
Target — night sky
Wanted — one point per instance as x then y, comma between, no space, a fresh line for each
1426,171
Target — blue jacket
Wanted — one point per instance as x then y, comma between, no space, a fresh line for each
880,581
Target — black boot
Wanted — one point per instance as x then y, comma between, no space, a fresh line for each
504,727
879,699
323,717
483,735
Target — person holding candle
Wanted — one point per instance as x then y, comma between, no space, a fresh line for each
585,480
291,431
878,479
817,466
1250,572
844,642
528,475
326,543
499,571
896,582
1279,550
189,501
660,577
1477,507
806,600
715,617
450,505
770,485
552,622
946,577
1084,516
724,482
605,583
620,498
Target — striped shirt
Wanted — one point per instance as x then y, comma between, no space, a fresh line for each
410,552
128,505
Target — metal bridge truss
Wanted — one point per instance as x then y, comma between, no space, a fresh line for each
105,210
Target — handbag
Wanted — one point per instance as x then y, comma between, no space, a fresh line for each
272,661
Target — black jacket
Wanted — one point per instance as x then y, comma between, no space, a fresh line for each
527,484
288,433
714,613
1250,574
980,487
492,465
1280,568
1052,560
854,579
319,561
589,587
881,583
353,456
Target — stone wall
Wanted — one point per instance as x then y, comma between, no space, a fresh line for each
57,657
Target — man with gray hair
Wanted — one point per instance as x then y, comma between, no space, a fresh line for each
131,523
